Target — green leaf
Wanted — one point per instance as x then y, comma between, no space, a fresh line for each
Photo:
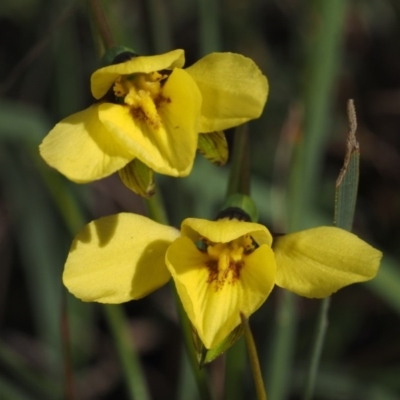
345,203
347,182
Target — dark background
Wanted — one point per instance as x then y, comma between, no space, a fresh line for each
316,55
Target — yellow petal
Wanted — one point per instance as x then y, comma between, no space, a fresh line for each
215,313
82,149
104,78
169,148
118,258
233,88
224,230
319,261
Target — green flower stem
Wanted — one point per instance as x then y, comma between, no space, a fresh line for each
137,386
101,23
321,328
255,364
155,209
239,180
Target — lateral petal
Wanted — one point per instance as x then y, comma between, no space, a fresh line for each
103,78
170,147
216,312
82,149
233,88
317,262
118,258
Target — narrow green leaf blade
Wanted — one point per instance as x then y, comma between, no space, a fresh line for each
347,182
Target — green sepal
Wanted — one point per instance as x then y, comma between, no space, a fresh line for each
138,177
239,202
230,340
214,147
116,55
205,356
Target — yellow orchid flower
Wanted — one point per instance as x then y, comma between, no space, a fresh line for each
225,267
220,268
151,109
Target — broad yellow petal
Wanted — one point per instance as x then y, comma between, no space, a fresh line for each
224,230
82,149
233,88
216,312
319,261
104,78
170,147
118,258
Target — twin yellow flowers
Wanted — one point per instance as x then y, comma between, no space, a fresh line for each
150,116
220,268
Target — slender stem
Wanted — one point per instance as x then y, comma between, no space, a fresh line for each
255,364
322,325
137,386
101,23
155,209
239,180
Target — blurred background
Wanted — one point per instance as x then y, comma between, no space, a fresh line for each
316,55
